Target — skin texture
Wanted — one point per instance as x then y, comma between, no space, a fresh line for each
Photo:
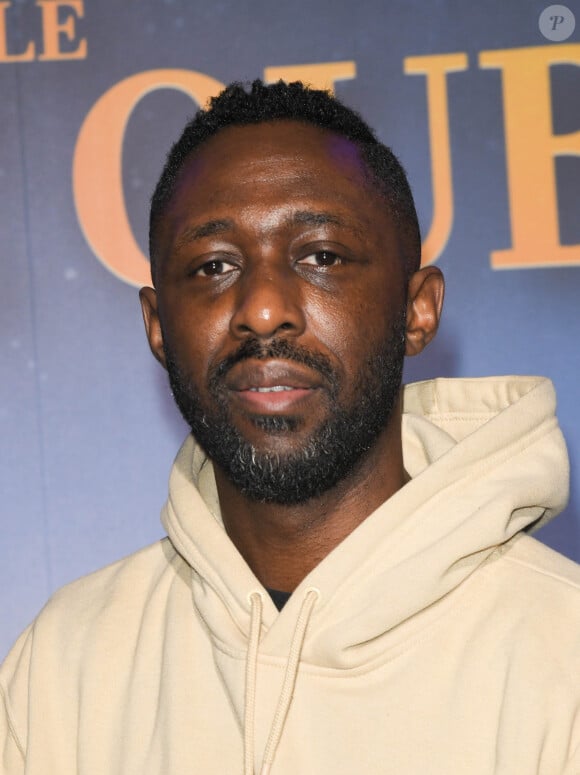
274,232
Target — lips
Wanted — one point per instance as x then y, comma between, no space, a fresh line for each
271,376
273,386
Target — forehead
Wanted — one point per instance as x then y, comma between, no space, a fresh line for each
290,142
269,167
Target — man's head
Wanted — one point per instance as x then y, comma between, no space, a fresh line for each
285,301
236,106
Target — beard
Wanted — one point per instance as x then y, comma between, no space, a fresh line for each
335,447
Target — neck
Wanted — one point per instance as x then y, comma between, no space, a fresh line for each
283,543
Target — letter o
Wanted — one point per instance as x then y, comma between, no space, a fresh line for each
97,167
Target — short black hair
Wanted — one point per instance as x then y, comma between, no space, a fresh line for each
261,103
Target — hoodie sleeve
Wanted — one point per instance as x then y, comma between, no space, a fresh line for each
14,693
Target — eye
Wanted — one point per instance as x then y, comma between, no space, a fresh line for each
215,268
321,258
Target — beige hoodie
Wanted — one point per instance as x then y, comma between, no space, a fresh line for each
437,639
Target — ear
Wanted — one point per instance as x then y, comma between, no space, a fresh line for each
148,298
425,300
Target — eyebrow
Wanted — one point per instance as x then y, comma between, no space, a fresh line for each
323,218
207,229
315,218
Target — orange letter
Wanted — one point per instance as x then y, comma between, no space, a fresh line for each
52,29
436,67
530,150
26,56
97,167
320,76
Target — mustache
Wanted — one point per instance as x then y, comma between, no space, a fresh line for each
276,348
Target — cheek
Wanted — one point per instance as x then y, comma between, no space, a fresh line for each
193,333
347,325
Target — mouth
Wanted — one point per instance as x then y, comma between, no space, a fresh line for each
278,399
273,386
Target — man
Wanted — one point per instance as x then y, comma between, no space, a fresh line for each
347,586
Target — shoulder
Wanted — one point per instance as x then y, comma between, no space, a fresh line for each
115,596
107,603
536,594
544,566
146,563
87,635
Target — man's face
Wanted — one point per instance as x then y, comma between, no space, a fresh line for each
281,303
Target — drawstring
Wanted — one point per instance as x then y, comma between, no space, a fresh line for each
251,669
289,679
289,682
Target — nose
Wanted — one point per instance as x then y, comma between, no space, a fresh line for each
268,302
